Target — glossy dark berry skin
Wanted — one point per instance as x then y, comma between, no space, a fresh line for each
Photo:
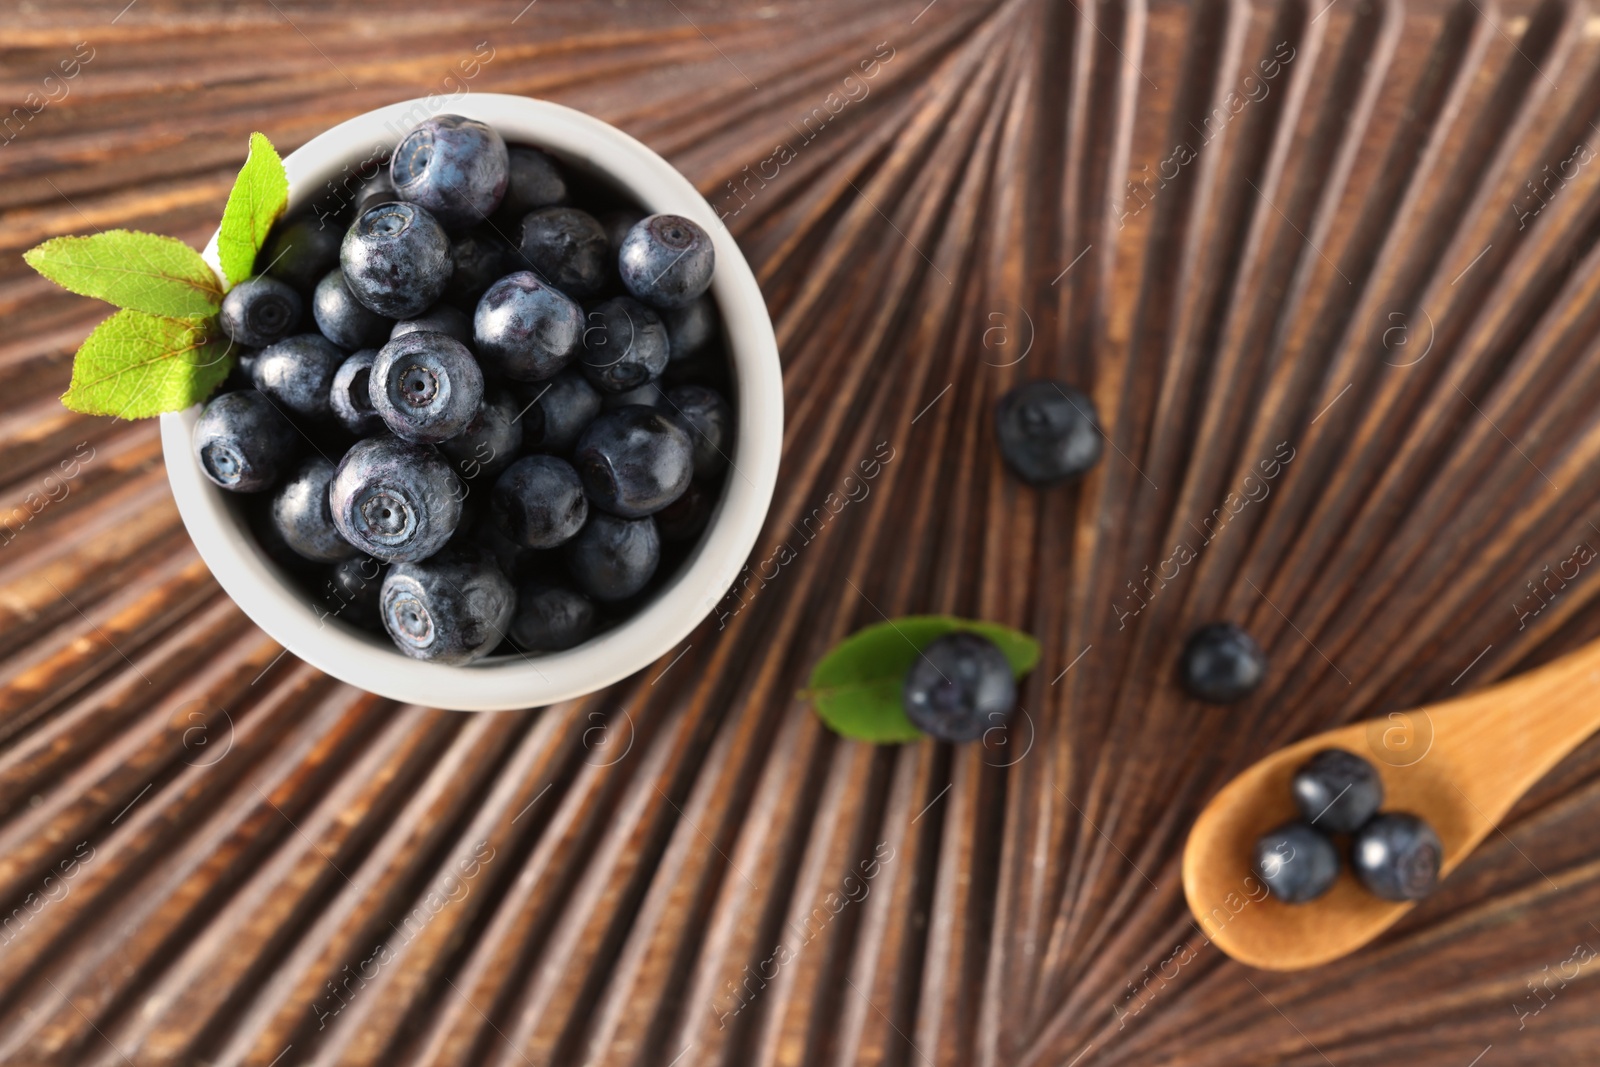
534,180
648,395
343,319
624,345
681,521
454,167
1337,791
1297,862
1222,663
1049,432
551,618
569,403
297,373
243,443
690,328
616,223
538,502
396,259
397,501
303,516
301,250
613,559
1397,856
634,461
353,592
260,311
376,190
960,686
351,395
441,318
451,609
479,258
666,261
426,387
568,248
493,437
526,330
710,423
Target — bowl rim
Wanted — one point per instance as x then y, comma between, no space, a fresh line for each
370,662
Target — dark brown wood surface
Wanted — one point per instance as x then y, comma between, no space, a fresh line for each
1328,271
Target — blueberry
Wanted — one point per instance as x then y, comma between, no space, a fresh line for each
397,501
455,167
243,442
297,373
396,259
246,365
343,319
634,461
1337,791
551,618
426,387
260,311
303,516
710,423
274,547
516,562
239,374
625,345
493,437
377,189
538,502
690,328
1397,856
666,261
648,395
441,318
960,686
1297,862
526,330
480,258
534,181
568,404
1222,663
1048,432
611,558
616,223
351,395
301,250
683,520
568,248
353,591
450,609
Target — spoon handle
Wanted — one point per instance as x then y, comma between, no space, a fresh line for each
1489,748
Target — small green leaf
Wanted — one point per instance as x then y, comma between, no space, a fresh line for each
139,271
135,365
260,195
855,688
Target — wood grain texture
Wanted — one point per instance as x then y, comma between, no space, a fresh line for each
1328,271
1461,765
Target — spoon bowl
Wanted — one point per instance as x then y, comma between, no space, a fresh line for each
1460,764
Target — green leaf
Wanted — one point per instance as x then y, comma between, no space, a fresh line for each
139,271
855,688
260,195
135,365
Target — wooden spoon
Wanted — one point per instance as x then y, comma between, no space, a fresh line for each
1460,765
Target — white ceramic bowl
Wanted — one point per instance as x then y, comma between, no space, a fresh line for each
290,616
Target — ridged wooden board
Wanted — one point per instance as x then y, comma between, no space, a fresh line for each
1329,273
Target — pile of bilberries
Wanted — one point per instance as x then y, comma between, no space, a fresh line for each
1395,855
511,416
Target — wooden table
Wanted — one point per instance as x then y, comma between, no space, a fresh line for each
1329,274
